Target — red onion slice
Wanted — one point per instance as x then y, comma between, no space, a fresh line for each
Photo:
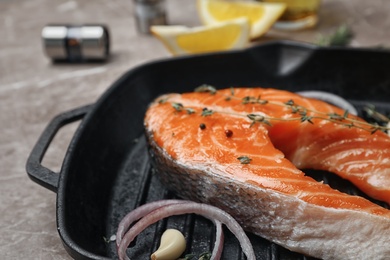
210,212
138,213
330,98
219,238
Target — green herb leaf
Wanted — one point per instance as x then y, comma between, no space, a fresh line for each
253,100
375,115
256,118
244,159
294,109
374,129
206,88
188,257
306,118
341,37
245,100
189,110
205,256
335,116
163,100
346,114
289,103
178,106
207,112
106,240
109,240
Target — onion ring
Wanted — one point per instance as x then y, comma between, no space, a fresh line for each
219,238
138,213
330,98
143,210
188,207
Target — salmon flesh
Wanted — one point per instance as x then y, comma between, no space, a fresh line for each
243,150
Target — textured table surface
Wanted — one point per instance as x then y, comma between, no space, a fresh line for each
33,91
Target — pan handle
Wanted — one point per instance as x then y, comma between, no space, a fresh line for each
35,170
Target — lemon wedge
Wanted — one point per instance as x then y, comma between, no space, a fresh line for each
222,36
261,15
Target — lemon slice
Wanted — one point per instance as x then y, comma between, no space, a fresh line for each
261,15
228,35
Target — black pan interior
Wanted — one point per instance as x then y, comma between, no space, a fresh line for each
107,170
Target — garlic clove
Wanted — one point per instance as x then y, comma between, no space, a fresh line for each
172,245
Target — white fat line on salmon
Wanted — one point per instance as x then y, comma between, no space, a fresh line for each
255,137
335,145
309,105
264,168
233,113
214,100
302,194
351,167
327,108
346,154
280,98
276,158
284,98
355,152
231,167
222,146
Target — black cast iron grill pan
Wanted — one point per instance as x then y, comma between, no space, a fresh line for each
107,171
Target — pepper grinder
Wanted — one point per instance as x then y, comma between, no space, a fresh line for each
148,13
76,43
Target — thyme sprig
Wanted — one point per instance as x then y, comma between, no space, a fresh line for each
254,100
179,107
304,114
375,115
341,37
244,159
308,115
207,112
206,88
256,118
379,119
203,256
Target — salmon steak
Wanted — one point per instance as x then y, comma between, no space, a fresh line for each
244,149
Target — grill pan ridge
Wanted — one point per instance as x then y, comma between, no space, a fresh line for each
107,170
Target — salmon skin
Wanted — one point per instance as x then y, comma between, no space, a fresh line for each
240,149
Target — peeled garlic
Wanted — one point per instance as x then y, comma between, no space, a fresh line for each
172,245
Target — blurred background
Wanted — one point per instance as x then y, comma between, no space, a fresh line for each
33,90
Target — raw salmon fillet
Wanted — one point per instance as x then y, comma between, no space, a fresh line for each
242,150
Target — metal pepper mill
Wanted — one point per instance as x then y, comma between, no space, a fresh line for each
148,13
76,43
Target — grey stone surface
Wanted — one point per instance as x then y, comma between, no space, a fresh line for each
33,90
